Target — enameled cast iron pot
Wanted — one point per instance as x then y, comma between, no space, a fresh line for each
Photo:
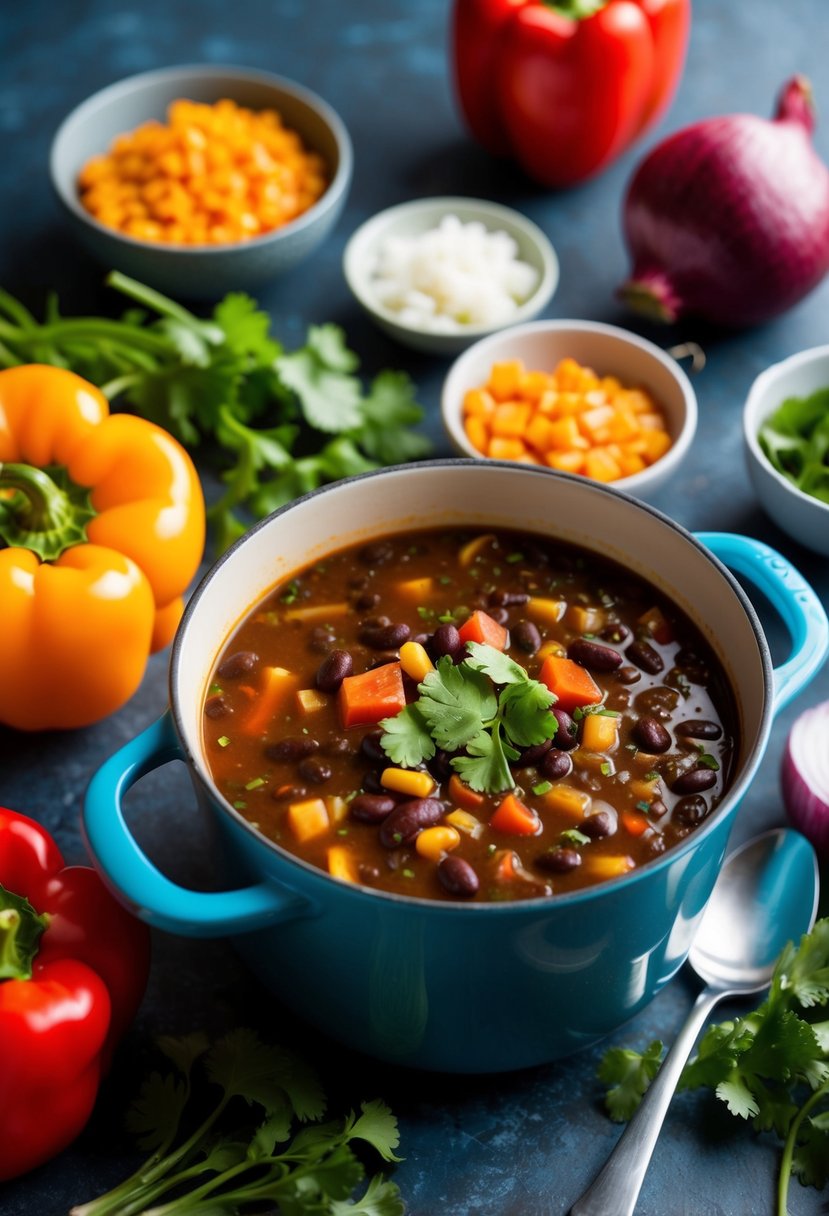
472,987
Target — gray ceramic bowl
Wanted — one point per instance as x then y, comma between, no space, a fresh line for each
422,215
204,271
802,516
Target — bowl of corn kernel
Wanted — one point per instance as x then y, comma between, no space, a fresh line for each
200,180
577,397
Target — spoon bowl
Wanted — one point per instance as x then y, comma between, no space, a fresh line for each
765,896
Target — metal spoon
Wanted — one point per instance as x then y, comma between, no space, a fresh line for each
765,896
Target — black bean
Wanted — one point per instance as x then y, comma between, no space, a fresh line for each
377,554
368,874
446,640
217,707
289,793
359,582
337,745
366,600
380,660
559,860
526,637
598,825
333,670
645,657
593,655
321,639
440,766
531,755
555,764
690,811
375,622
457,876
408,820
699,728
315,770
503,597
628,675
371,749
659,702
616,632
566,737
650,735
294,747
694,781
371,808
372,784
655,844
385,637
499,615
657,809
239,664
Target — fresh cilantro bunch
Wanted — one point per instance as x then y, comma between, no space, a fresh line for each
224,1166
486,706
771,1066
281,422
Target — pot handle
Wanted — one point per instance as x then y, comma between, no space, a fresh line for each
792,597
133,877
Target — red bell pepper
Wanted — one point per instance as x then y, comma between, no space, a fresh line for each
566,87
73,967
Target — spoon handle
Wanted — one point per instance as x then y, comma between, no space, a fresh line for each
616,1187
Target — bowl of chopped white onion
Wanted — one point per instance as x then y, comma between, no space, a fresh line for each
438,273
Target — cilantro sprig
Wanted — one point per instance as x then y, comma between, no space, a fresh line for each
487,706
771,1066
230,1165
281,422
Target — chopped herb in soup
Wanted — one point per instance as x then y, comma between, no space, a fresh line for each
470,716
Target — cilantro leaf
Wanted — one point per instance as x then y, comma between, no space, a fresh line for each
210,1171
454,701
525,713
628,1073
486,767
377,1126
500,668
319,374
246,328
381,1198
811,1155
389,411
406,739
803,973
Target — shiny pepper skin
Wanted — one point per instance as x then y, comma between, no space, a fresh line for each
103,522
73,968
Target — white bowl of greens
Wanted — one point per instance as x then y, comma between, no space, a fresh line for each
786,430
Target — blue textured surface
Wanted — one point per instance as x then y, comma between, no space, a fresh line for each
519,1145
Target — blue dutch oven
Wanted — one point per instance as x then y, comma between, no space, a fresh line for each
473,987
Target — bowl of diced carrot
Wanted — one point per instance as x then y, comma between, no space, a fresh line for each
200,180
576,397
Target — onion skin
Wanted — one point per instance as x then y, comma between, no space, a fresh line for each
805,777
728,219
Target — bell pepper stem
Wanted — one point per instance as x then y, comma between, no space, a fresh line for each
42,515
20,930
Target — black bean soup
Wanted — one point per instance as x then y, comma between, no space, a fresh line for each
466,715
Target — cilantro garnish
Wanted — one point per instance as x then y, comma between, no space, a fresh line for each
574,836
770,1066
281,423
235,1161
486,706
706,759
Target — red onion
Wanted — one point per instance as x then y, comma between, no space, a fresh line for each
728,219
805,776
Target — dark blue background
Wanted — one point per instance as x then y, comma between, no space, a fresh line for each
521,1145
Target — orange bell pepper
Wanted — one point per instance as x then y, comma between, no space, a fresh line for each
102,518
